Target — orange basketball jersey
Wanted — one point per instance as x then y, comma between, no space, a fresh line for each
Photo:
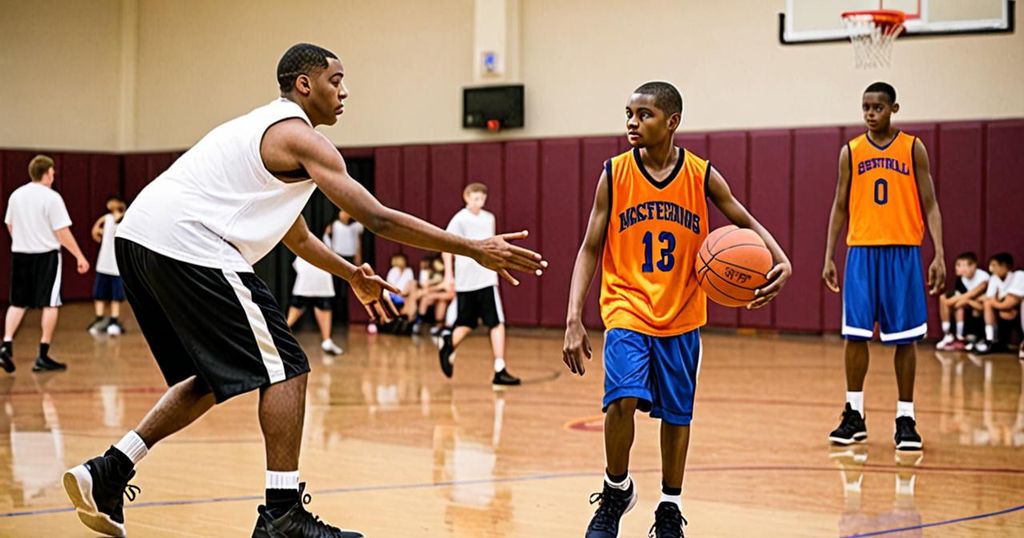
884,205
654,232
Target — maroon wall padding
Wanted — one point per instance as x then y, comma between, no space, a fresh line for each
560,224
388,183
485,164
727,152
594,153
960,185
73,184
522,203
1004,197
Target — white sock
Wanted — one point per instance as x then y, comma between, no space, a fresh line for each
904,409
133,446
959,329
499,364
990,333
856,401
624,485
677,499
283,480
945,327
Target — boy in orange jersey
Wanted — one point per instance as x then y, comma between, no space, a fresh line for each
884,182
648,221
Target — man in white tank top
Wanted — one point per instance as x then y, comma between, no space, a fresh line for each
108,290
185,250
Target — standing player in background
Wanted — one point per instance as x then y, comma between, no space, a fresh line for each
313,288
476,288
108,289
345,236
648,221
884,182
960,302
185,250
38,222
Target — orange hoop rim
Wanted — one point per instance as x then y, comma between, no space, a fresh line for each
881,17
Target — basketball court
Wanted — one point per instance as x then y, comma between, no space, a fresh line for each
525,96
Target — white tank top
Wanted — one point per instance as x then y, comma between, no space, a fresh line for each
217,205
106,263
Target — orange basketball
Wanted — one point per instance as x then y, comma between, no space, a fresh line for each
731,264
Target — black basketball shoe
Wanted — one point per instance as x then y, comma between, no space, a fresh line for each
503,378
614,504
6,360
46,364
297,523
906,437
668,522
444,354
97,489
851,429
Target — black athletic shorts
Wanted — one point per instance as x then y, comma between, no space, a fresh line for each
221,326
473,306
35,279
303,302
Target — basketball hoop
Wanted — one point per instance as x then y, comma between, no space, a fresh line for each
872,34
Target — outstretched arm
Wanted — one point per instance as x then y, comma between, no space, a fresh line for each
577,345
926,190
836,218
721,195
291,144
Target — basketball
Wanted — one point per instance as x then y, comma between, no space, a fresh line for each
732,263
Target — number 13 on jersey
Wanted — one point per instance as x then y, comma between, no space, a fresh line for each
667,246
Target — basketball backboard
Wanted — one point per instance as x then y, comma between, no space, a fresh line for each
816,21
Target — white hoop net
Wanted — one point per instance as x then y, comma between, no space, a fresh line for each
872,35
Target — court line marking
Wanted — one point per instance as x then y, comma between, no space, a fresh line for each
558,476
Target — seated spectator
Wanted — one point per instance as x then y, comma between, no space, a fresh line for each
434,296
313,287
1002,303
963,301
401,276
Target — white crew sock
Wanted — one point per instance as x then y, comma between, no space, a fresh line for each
959,329
624,485
856,401
677,499
945,327
904,409
499,364
990,333
133,446
283,480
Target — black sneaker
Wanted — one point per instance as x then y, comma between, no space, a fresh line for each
668,522
444,354
297,523
6,360
614,504
97,489
46,364
504,378
851,429
906,437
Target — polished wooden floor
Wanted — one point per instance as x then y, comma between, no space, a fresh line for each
394,449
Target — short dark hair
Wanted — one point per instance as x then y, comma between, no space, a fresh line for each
301,59
666,96
968,257
400,255
882,87
39,166
114,198
1003,258
474,187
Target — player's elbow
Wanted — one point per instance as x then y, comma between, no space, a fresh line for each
380,222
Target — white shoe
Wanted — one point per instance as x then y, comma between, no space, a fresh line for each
946,344
330,347
114,329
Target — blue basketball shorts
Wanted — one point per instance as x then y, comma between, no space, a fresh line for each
884,284
660,372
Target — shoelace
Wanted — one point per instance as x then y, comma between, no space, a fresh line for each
671,522
131,491
849,416
603,518
316,522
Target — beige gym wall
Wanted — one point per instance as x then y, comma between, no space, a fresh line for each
201,62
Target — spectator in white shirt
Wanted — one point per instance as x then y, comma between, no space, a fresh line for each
345,236
1002,302
963,300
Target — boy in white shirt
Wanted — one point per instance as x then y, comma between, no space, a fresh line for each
108,290
313,287
1002,302
401,276
962,300
38,222
476,288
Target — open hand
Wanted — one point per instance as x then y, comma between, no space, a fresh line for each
500,256
576,346
372,292
830,276
936,276
777,278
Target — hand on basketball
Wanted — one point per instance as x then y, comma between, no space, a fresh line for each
372,292
83,266
936,276
576,346
830,276
500,256
777,278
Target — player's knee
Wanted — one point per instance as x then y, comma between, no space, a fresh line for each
623,407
